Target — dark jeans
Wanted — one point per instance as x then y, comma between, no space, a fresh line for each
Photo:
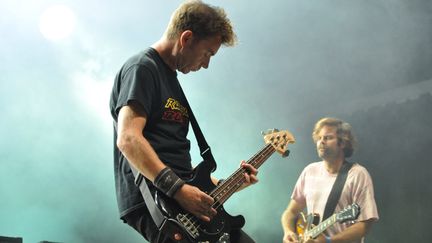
142,222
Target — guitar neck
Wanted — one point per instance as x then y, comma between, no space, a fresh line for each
227,188
314,232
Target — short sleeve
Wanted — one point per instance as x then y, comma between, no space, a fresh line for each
137,84
298,193
363,194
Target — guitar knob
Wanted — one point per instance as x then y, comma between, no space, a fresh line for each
178,236
225,238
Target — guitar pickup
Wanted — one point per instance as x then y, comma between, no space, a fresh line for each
189,226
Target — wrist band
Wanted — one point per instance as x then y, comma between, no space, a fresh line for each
328,240
168,182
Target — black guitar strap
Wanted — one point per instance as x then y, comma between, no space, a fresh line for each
140,181
205,150
336,190
155,212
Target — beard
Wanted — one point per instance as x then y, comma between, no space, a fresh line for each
326,153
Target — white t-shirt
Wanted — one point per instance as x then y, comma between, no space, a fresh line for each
315,183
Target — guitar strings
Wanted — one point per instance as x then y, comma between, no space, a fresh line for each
236,181
233,182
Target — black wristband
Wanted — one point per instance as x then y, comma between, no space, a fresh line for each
168,182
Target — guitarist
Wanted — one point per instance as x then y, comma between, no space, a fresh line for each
334,142
151,120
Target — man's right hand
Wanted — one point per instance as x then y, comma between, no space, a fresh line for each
195,201
290,237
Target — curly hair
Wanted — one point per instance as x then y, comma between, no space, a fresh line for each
203,20
343,131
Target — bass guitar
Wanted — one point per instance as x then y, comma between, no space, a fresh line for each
183,227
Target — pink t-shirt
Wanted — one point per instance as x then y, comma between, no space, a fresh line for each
315,183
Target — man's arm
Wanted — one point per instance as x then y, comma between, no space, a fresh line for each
142,156
288,220
134,146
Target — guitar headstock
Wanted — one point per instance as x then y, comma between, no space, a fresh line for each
350,212
279,140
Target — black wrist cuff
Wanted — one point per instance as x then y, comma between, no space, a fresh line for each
168,182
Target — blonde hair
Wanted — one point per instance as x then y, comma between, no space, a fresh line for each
203,20
343,131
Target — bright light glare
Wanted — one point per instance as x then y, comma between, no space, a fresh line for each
93,89
57,22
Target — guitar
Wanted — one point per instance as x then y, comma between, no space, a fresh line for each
183,227
304,223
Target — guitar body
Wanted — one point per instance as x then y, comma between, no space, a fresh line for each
179,226
183,227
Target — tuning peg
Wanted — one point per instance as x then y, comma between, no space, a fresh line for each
286,153
269,131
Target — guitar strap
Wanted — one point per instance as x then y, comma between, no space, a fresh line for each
158,218
156,214
205,150
336,190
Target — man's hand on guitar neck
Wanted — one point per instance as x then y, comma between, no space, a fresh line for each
195,201
250,175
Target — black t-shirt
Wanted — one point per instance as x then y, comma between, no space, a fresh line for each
147,81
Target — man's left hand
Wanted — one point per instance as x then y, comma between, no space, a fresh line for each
250,175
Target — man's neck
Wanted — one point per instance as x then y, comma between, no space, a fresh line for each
333,165
167,50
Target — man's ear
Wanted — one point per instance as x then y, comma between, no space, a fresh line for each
186,38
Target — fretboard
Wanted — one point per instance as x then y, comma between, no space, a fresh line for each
227,188
314,232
